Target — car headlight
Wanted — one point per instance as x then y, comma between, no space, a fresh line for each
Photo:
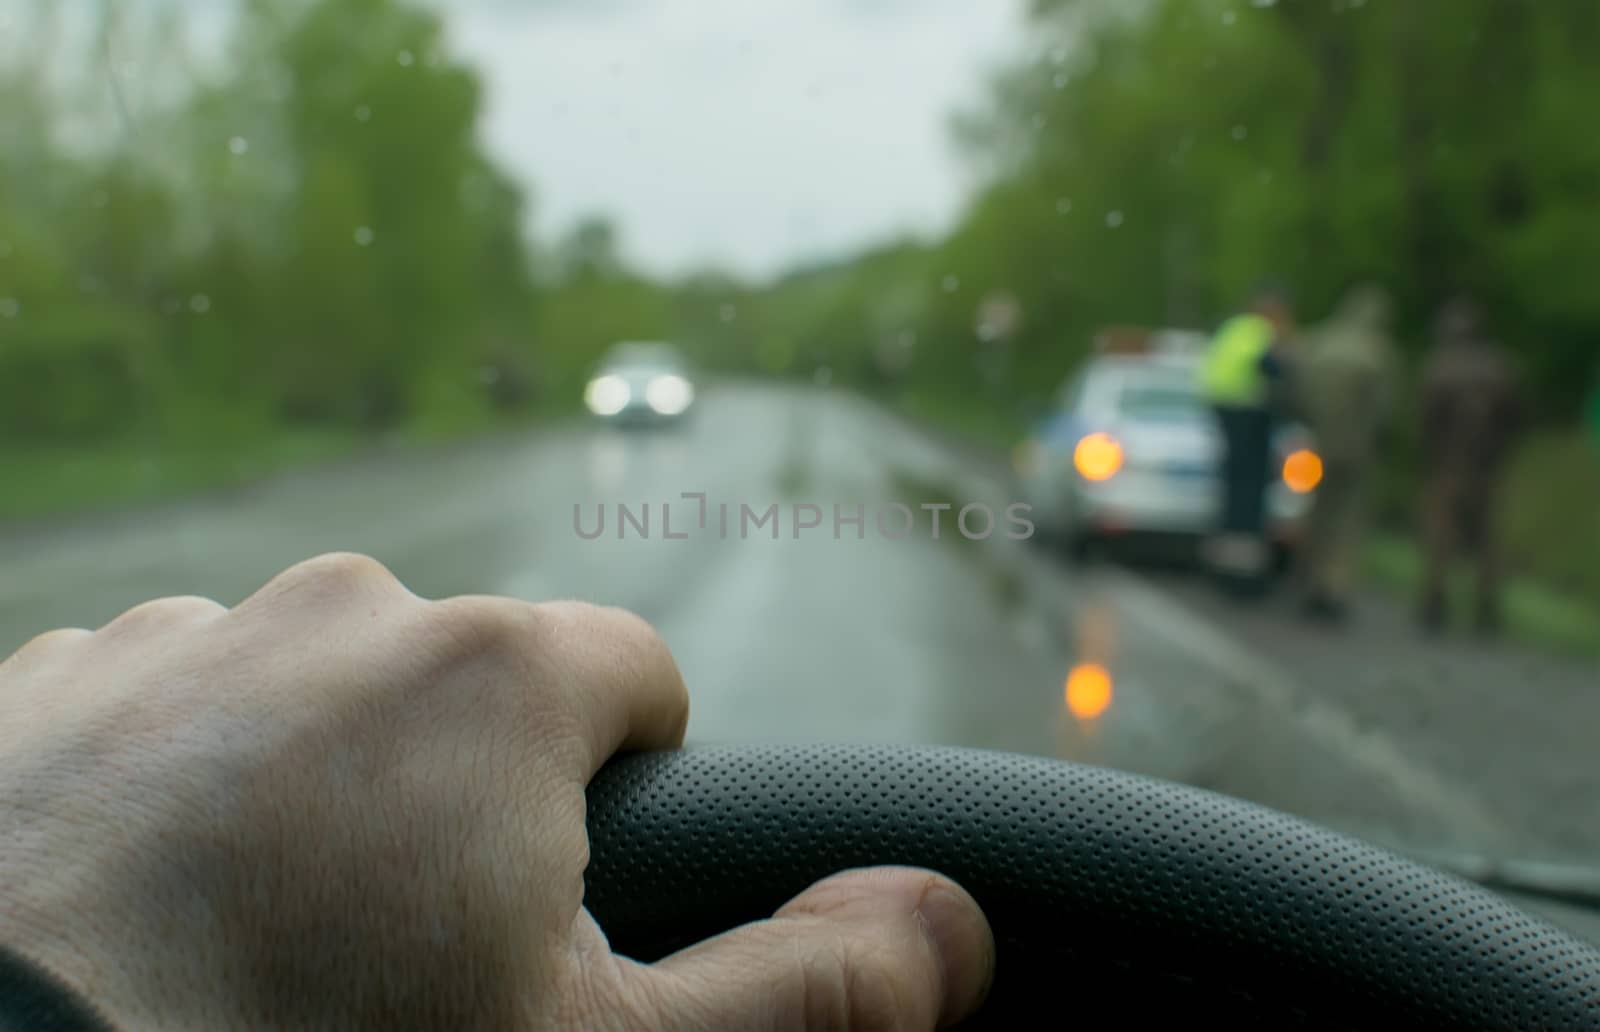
607,395
669,395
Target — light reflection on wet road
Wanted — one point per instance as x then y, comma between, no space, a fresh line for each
800,638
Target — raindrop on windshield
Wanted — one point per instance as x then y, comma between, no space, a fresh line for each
1058,56
489,375
405,57
238,145
951,283
200,304
363,113
1113,219
1265,3
363,236
729,313
1039,121
1228,17
1063,205
1061,80
1240,132
9,307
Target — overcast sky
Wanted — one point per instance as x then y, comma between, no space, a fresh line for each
746,134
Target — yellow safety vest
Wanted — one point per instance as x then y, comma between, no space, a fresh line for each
1231,373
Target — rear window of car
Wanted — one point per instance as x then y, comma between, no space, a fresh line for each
1164,400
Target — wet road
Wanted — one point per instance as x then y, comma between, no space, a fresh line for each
832,633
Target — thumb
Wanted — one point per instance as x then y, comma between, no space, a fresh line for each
886,948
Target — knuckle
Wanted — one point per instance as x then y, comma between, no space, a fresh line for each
344,569
634,641
165,612
845,985
821,988
479,628
50,642
874,1001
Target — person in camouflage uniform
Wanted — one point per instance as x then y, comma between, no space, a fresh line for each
1472,415
1345,389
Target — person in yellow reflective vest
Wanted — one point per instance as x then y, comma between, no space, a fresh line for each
1241,378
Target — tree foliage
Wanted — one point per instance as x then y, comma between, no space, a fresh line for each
1149,162
311,233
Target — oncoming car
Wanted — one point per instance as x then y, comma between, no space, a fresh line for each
641,383
1131,450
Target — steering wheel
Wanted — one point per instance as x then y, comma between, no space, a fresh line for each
1110,894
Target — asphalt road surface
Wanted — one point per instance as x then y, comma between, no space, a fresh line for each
835,632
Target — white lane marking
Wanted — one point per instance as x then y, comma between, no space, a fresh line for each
1275,687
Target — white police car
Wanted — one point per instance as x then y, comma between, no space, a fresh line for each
1130,451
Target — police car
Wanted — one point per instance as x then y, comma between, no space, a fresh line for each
1130,450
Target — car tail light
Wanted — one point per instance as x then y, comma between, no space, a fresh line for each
1098,457
1302,471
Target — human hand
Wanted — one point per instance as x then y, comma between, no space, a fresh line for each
339,805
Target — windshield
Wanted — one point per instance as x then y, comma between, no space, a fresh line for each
283,277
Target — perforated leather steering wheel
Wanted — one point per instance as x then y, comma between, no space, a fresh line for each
1110,894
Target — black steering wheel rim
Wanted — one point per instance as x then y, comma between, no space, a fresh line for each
1109,893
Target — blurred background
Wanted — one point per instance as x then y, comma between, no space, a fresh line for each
281,276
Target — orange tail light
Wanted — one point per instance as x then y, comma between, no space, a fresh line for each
1098,457
1302,471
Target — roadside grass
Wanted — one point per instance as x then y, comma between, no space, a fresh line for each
42,483
1535,614
982,422
1552,513
1550,526
53,481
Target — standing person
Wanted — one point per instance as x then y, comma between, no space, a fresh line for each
1346,392
1241,367
1471,416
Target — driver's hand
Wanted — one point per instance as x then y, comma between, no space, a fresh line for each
339,805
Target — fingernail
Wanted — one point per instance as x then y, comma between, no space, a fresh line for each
964,944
